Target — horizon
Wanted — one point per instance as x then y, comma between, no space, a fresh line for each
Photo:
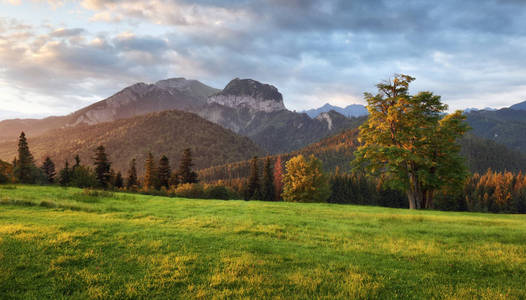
314,52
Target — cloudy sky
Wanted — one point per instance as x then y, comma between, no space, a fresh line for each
57,56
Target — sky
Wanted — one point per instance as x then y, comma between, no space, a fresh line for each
57,56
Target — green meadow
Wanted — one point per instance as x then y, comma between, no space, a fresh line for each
71,243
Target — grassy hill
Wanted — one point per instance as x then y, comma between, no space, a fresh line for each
57,243
167,132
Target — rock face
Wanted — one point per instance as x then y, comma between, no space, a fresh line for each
249,94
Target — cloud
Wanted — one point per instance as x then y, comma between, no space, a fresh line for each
314,51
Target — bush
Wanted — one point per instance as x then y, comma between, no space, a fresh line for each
190,190
217,192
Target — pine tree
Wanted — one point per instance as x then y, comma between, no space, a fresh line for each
253,189
119,182
131,183
25,163
278,179
186,175
164,172
102,167
65,175
149,172
48,167
77,162
267,193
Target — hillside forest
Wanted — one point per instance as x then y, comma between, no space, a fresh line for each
406,149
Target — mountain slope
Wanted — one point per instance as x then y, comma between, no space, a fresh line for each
504,126
135,100
519,106
336,153
168,133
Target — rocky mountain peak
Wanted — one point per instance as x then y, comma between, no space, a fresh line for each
189,87
251,94
252,88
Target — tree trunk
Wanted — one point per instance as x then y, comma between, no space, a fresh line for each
415,194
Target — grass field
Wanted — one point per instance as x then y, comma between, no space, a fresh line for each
67,243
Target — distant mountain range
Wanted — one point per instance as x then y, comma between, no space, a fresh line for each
245,106
353,110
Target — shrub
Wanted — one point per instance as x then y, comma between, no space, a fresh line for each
190,190
217,192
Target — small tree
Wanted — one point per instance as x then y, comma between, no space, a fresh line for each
77,162
305,181
65,175
267,193
131,182
48,167
253,189
102,167
278,179
25,164
150,173
119,181
185,173
164,172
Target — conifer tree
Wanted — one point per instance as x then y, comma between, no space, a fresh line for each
164,172
65,175
119,182
278,179
132,176
77,162
149,172
253,189
102,167
25,163
267,193
185,173
48,167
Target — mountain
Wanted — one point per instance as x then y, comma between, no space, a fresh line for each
135,100
504,126
519,106
336,153
353,110
245,106
167,132
256,110
470,109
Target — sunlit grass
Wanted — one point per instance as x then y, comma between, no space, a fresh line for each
81,244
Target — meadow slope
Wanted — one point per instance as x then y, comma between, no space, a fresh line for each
68,243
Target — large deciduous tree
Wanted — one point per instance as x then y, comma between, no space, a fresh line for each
409,143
